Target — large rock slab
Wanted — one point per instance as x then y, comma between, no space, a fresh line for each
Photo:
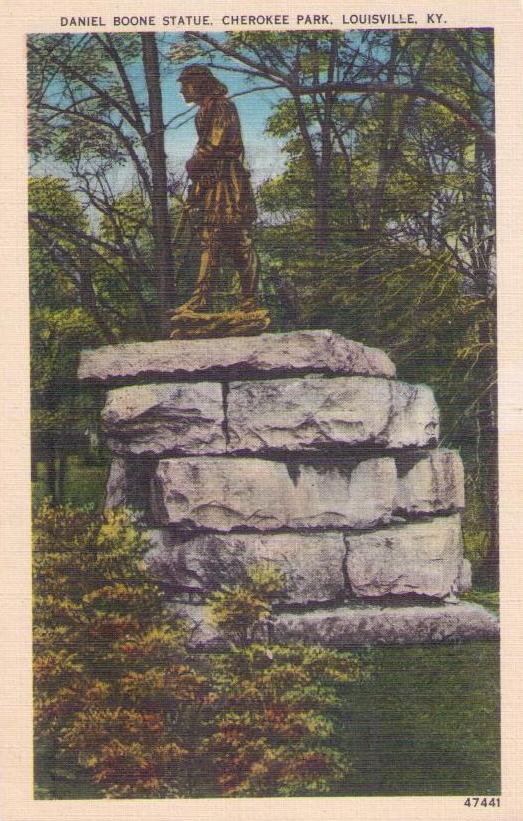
154,419
421,558
222,494
288,354
312,562
346,627
430,482
314,413
354,626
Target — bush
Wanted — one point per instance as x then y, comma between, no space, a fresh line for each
271,732
113,690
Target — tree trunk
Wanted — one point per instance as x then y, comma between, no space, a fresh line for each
321,211
62,471
385,158
50,470
159,200
322,188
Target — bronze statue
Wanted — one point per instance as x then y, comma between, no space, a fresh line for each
221,202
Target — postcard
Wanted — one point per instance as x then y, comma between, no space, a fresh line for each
262,360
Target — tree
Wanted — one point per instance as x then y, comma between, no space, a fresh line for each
64,316
87,113
323,69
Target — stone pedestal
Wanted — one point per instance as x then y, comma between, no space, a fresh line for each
300,449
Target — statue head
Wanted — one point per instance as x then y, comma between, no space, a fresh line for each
198,82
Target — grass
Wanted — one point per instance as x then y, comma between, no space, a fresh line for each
427,723
487,598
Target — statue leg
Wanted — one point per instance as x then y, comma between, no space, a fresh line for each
209,264
245,260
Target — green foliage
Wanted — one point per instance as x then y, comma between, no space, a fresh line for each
60,326
113,689
271,735
50,285
91,111
241,610
476,536
57,63
84,484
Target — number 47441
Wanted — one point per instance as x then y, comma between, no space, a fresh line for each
476,801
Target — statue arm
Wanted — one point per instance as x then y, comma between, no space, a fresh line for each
217,133
215,137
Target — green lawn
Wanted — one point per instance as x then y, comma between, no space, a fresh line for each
426,724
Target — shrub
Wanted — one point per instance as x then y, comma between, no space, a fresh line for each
271,734
243,611
113,688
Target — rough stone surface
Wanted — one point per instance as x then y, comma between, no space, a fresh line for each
312,562
116,488
155,419
128,484
349,627
345,627
421,558
314,413
288,354
222,494
430,482
464,580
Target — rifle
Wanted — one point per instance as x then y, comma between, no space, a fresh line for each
183,221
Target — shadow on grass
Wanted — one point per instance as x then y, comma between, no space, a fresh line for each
427,723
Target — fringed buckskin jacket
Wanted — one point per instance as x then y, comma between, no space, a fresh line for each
221,189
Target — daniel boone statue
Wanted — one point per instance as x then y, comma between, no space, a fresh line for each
220,195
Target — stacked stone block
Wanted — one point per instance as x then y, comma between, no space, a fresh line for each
300,449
